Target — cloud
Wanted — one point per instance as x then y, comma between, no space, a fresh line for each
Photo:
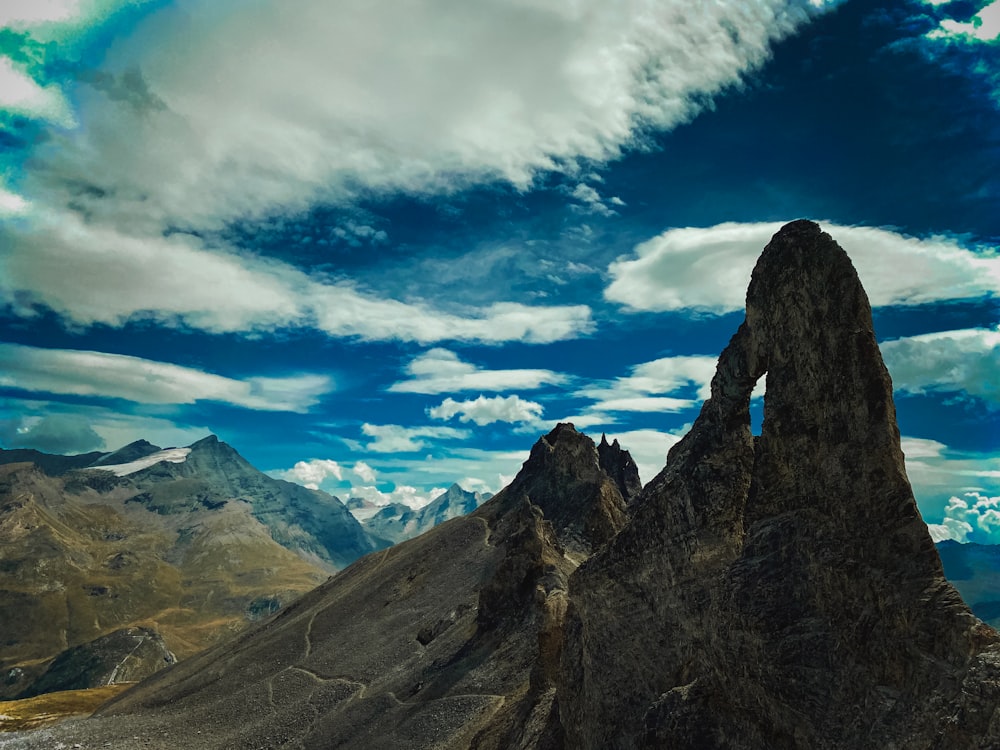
592,201
19,93
708,269
484,411
441,371
364,472
938,472
114,427
89,373
402,494
420,97
984,26
655,386
55,433
312,473
966,361
94,274
390,438
971,518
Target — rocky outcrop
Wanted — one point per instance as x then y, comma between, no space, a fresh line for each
564,478
126,655
781,591
620,466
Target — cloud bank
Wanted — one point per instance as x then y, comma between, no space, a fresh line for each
87,373
708,269
442,371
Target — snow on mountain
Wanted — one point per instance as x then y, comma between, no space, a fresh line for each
173,455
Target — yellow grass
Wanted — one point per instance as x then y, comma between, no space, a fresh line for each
31,713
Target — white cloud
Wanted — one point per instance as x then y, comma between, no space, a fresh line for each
364,472
708,269
11,204
982,27
312,473
965,360
421,96
485,411
593,202
342,311
71,424
654,386
21,94
403,494
92,274
441,371
391,438
89,373
938,472
972,518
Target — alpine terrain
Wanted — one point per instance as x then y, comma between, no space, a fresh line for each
763,591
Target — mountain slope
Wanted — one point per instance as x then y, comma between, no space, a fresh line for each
452,637
194,547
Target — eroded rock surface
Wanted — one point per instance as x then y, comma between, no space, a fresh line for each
783,591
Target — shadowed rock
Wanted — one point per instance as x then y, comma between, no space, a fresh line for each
781,592
126,655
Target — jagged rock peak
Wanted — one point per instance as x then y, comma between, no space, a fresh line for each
783,591
620,466
563,476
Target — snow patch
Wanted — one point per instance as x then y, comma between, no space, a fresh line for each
173,455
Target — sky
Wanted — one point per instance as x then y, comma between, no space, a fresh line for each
380,247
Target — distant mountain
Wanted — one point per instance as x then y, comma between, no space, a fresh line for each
974,569
396,522
193,543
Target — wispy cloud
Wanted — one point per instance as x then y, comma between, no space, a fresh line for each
441,371
89,373
708,269
655,386
392,438
966,361
98,274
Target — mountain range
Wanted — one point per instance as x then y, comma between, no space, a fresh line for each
395,522
777,590
190,544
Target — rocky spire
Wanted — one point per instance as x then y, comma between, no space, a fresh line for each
619,465
782,592
579,494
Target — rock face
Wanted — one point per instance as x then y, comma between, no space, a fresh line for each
565,479
781,591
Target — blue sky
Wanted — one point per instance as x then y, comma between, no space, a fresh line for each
381,247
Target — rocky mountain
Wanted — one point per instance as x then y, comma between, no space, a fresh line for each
395,522
193,546
768,591
974,569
